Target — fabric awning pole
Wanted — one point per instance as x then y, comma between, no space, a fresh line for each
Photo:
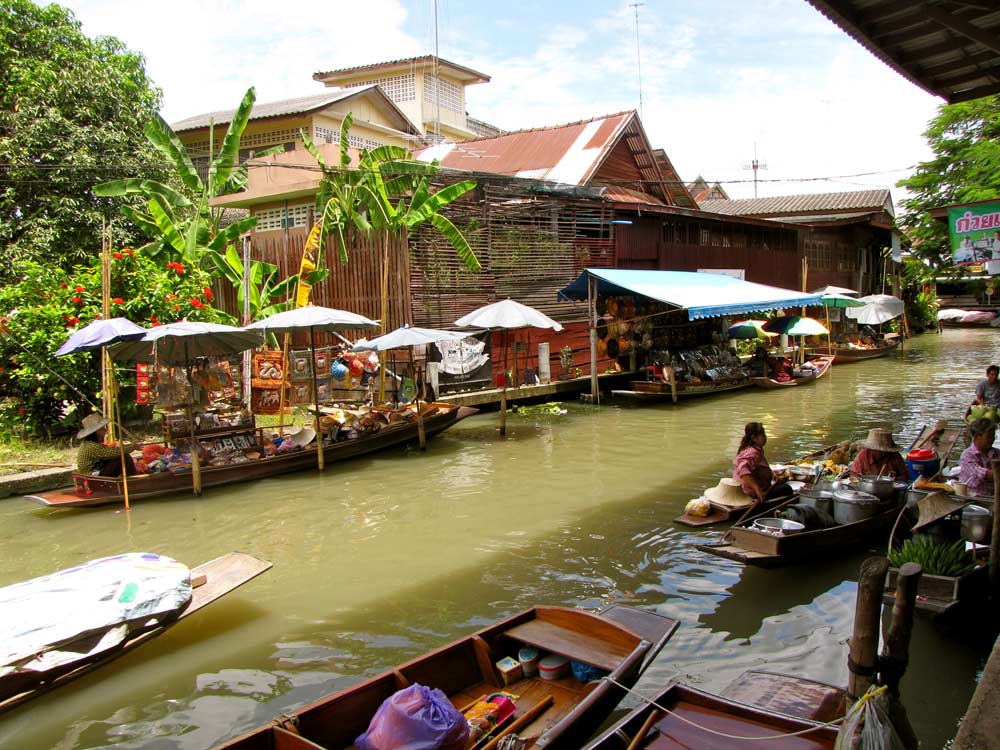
592,308
195,462
503,393
421,433
319,429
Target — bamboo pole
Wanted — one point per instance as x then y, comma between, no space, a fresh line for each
867,614
319,430
195,459
503,392
595,394
653,717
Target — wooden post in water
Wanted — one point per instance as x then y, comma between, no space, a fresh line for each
867,616
995,538
896,651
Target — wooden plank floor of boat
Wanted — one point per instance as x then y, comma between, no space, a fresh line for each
739,554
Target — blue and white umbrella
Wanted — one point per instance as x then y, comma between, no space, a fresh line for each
99,334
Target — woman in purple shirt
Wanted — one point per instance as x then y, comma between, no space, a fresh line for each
975,469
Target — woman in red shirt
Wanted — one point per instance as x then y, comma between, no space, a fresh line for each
751,469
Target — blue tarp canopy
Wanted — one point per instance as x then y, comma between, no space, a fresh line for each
703,295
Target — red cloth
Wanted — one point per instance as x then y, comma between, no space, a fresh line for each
886,463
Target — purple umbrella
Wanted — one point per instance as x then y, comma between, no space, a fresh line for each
101,333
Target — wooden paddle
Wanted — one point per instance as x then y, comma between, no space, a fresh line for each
521,721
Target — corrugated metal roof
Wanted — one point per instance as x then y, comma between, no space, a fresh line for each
618,194
949,50
561,153
297,106
798,205
467,74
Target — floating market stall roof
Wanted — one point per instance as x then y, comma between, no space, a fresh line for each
703,295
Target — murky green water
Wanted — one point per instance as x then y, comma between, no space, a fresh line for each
384,558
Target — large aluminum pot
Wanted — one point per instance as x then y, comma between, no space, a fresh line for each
850,506
884,488
977,523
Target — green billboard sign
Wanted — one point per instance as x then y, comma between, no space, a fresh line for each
975,233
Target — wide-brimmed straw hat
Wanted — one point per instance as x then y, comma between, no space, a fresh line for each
728,492
880,439
302,436
935,506
90,424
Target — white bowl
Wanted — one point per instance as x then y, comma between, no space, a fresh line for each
796,485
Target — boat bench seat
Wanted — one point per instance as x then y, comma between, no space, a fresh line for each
570,643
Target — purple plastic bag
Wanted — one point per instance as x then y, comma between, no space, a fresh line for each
416,718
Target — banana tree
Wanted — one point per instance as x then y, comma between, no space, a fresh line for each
181,223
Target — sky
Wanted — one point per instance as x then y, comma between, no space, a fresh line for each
721,82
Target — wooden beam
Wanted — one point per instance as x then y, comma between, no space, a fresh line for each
961,26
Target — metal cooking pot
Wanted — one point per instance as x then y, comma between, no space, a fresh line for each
779,525
850,506
977,523
884,488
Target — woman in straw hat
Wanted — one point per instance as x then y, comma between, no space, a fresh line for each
751,469
93,456
879,455
975,467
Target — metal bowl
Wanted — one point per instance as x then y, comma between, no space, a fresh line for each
778,525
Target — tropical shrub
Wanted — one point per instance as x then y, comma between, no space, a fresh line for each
41,309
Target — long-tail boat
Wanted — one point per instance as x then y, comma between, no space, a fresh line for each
91,649
844,354
90,490
556,712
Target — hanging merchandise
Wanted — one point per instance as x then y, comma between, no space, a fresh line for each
339,371
356,366
298,364
323,360
371,363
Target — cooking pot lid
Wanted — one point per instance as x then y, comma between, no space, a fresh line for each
854,496
921,454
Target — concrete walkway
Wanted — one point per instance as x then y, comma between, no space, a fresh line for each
36,481
980,729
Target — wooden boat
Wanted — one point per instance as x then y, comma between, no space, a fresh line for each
822,364
90,490
752,546
731,513
939,595
560,713
692,718
209,581
659,390
845,354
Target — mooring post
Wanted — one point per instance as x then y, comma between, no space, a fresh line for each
896,649
995,538
867,617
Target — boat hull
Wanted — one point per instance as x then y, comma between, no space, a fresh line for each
620,641
823,363
845,355
751,546
655,390
691,710
209,581
91,490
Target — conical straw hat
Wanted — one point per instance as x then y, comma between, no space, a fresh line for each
934,507
729,493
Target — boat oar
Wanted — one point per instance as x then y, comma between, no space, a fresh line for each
636,742
521,721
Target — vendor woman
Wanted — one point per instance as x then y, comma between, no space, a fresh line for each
879,455
751,469
975,468
93,456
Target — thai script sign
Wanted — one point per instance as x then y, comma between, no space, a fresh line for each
975,233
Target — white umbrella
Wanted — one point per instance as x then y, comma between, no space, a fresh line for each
839,300
834,290
407,337
878,308
312,318
507,314
179,344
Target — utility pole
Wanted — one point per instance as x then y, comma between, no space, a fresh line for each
638,59
755,165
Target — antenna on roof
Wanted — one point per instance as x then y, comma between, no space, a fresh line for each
755,165
638,60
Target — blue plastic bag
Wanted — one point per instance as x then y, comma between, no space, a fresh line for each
416,718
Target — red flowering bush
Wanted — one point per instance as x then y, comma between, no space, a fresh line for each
48,304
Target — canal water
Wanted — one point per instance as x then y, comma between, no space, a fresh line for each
383,558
